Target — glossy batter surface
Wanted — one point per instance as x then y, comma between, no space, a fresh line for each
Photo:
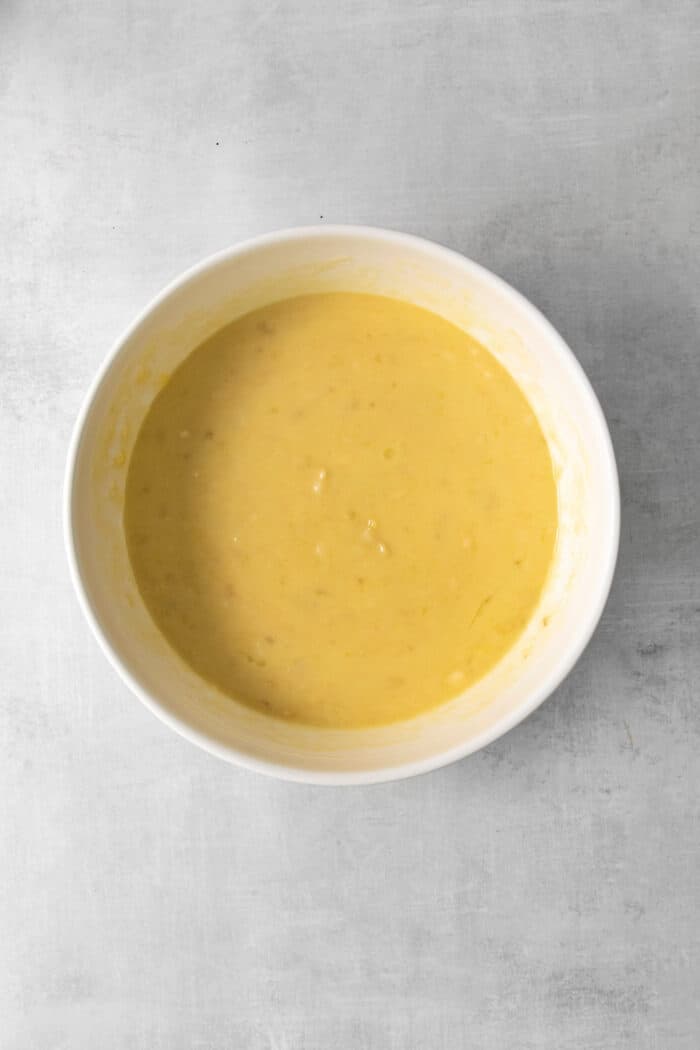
341,510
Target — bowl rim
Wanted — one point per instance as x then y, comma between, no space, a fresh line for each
401,770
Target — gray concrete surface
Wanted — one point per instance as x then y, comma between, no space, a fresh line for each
541,894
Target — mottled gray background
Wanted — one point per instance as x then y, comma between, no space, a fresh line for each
540,894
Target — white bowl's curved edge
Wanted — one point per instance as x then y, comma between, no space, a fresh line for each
404,770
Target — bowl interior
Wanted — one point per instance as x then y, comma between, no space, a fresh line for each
344,259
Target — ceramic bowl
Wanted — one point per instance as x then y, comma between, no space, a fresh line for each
337,258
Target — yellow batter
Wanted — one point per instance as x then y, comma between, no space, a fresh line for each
341,510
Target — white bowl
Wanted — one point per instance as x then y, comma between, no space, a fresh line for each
346,258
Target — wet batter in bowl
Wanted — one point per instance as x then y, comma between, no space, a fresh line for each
341,510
